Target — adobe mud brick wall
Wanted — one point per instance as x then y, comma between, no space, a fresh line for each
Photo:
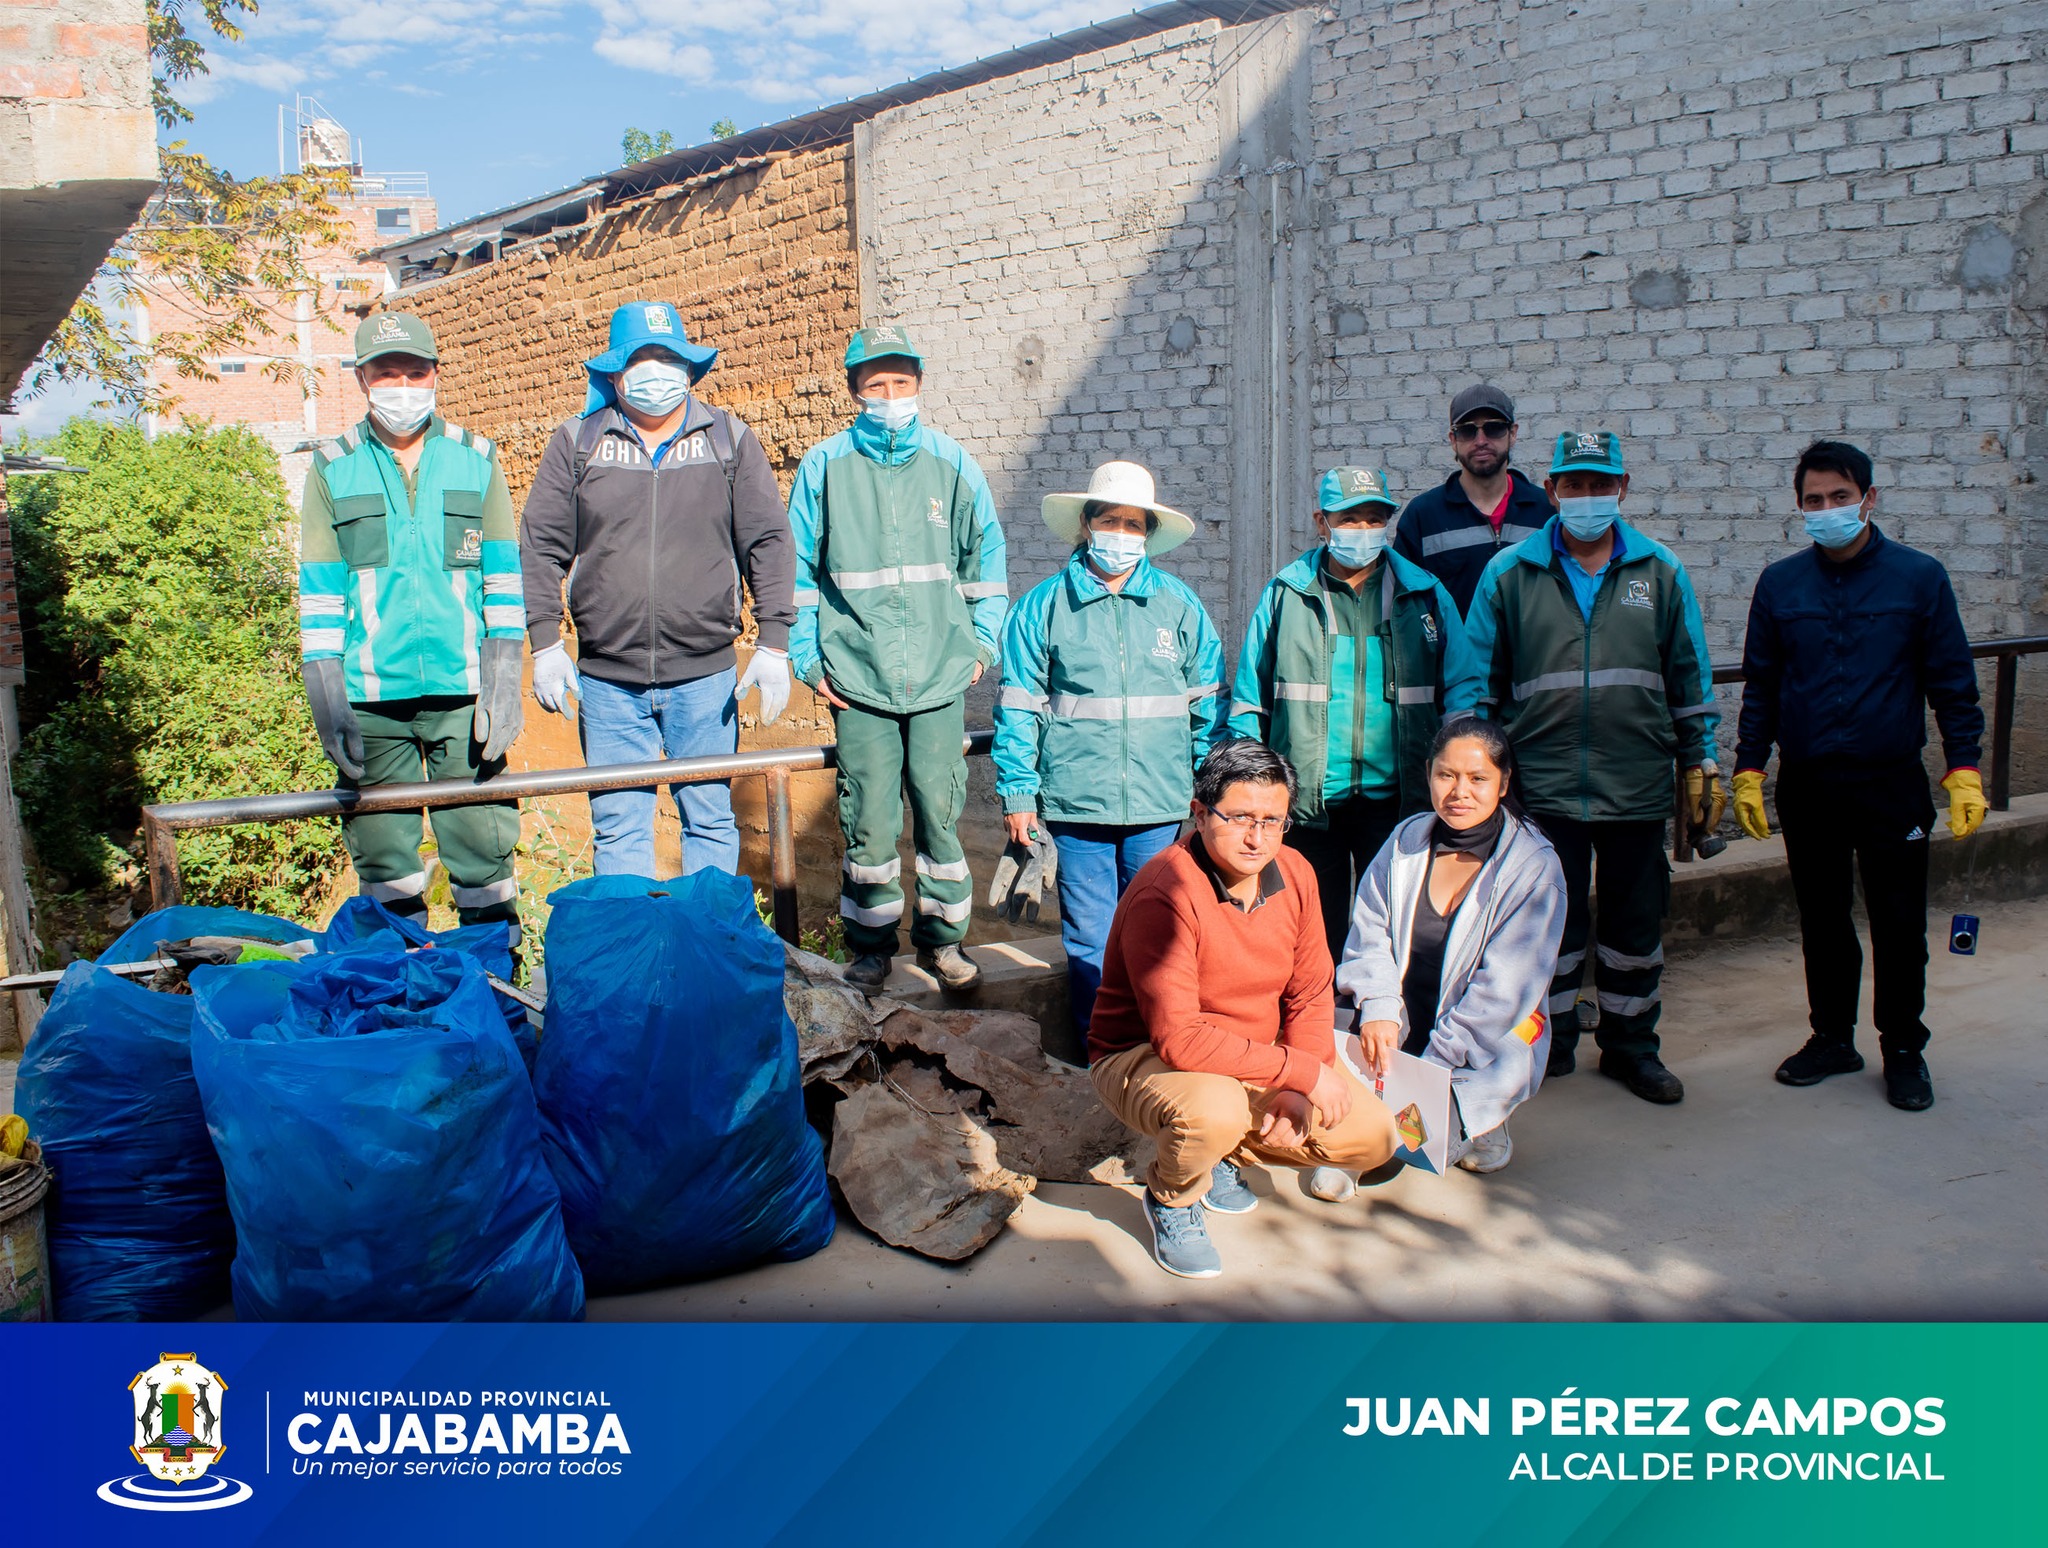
758,259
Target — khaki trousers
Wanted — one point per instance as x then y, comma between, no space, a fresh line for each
1201,1119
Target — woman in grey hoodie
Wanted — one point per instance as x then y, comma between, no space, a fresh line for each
1454,937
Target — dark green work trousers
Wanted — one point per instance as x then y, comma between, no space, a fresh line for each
414,739
879,754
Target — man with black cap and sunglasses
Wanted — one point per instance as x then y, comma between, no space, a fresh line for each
1454,530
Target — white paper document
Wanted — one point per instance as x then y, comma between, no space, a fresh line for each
1418,1094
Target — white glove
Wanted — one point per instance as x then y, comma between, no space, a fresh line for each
554,679
769,672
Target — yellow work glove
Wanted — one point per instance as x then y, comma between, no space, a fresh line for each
1966,803
1749,803
1705,797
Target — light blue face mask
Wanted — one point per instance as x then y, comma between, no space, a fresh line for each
1588,519
891,414
1357,547
1836,527
654,386
1115,552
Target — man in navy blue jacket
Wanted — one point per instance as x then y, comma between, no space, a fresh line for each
1849,643
1454,530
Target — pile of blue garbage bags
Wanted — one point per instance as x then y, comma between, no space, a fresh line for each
354,1125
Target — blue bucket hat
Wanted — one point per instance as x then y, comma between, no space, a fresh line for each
634,326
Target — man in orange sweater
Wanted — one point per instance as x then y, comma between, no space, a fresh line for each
1214,1032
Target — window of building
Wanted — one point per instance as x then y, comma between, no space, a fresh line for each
234,367
396,220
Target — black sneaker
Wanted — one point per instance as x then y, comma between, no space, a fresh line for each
1645,1075
1563,1060
1820,1058
1906,1084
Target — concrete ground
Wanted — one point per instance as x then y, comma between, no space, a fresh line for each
1749,1200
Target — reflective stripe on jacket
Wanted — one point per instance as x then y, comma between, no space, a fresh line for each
1597,708
1109,698
900,568
403,590
1282,692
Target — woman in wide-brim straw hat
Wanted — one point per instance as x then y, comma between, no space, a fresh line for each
1112,693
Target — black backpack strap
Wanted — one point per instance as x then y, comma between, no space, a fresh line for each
588,434
724,447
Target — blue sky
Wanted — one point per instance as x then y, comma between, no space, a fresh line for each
500,100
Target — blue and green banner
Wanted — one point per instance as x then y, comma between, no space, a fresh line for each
1069,1435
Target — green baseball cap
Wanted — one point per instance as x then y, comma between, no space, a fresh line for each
1342,488
877,343
394,333
1587,451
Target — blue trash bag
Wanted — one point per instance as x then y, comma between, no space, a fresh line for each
138,1217
381,1146
670,1094
360,920
144,938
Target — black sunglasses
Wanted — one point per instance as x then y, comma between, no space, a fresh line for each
1492,429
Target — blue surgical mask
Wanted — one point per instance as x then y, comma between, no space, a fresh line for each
1357,547
891,414
1116,552
1835,527
654,387
1588,519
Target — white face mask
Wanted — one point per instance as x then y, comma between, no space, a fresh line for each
891,414
653,386
1357,547
401,410
1116,552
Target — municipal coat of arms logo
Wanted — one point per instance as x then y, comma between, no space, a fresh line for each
176,1433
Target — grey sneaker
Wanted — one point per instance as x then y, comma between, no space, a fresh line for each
1331,1184
1180,1240
1227,1193
868,973
1488,1152
951,966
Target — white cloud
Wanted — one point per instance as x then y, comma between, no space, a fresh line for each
794,52
810,51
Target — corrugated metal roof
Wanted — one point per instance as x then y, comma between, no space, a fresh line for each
828,125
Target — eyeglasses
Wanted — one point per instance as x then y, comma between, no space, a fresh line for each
1255,827
1492,429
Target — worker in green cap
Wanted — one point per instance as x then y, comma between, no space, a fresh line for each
1352,658
412,625
900,596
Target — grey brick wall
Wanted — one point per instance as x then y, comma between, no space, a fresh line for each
1054,244
1720,229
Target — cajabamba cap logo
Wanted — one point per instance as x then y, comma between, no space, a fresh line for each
390,331
659,320
1591,443
176,1416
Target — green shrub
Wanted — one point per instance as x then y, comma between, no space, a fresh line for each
160,615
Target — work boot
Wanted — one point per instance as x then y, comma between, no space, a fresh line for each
951,966
1644,1074
1821,1057
1563,1060
1180,1240
1906,1084
1227,1193
868,972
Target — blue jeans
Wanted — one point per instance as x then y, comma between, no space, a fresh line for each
639,725
1097,861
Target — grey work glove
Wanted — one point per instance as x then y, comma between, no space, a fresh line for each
341,735
1025,874
500,711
